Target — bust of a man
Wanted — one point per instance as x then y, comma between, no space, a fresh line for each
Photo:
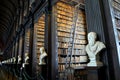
14,59
26,58
19,58
93,48
43,54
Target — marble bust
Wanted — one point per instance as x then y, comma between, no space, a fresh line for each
14,59
19,58
43,54
93,48
26,58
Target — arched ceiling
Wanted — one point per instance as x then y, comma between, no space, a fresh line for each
7,13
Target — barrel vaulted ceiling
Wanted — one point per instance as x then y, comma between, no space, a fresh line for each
7,15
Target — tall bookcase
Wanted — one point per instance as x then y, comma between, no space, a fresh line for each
39,35
65,14
20,49
39,31
27,41
116,10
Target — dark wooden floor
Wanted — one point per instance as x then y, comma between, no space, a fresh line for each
6,76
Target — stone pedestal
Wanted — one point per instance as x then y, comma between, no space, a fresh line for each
94,63
92,73
43,71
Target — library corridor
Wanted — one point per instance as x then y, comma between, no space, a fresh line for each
59,39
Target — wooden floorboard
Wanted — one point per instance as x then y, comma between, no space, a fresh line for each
6,76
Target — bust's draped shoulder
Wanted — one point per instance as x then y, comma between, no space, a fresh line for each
100,45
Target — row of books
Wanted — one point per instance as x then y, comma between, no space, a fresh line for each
64,16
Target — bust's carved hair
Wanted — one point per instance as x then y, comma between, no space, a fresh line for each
92,34
42,50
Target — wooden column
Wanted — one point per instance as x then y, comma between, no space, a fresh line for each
23,50
95,24
46,41
14,44
51,40
13,52
113,61
22,32
23,42
99,20
18,39
13,66
32,56
94,18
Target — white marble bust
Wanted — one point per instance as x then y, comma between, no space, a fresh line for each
19,58
26,58
93,48
14,59
43,54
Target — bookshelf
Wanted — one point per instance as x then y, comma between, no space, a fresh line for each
64,18
27,41
39,31
116,10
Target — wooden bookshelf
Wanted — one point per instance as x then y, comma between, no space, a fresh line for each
39,31
64,16
116,8
27,41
